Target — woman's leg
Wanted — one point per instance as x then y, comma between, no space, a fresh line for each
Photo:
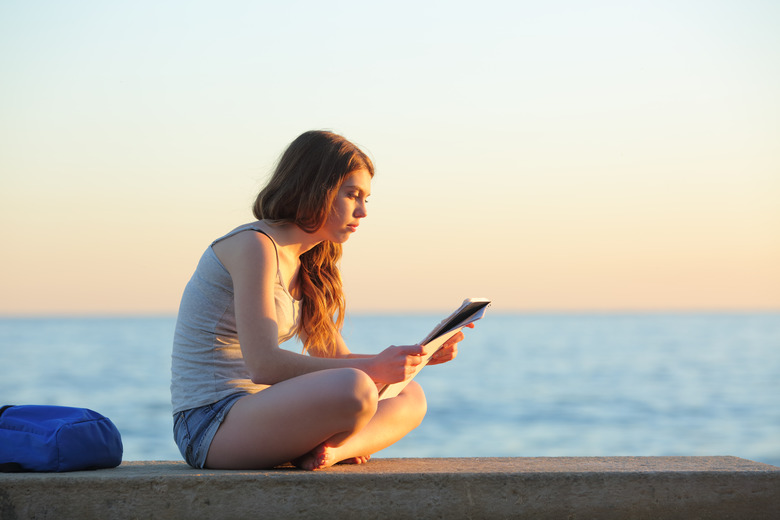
290,418
317,420
393,419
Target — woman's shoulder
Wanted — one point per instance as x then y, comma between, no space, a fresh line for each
257,225
246,244
257,231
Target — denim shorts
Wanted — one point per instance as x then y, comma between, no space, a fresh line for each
194,429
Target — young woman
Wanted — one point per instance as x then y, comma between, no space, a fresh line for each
240,401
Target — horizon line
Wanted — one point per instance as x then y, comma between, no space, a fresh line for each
415,312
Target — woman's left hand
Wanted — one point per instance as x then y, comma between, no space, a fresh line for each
449,350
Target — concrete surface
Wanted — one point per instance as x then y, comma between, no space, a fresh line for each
558,487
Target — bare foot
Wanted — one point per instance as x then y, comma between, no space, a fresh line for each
317,458
356,460
324,456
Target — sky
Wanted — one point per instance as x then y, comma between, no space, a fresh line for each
557,156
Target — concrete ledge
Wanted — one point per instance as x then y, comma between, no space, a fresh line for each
578,487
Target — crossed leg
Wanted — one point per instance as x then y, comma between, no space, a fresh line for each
394,418
316,420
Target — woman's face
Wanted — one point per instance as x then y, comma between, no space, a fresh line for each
349,207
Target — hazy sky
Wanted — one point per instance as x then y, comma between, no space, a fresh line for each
549,155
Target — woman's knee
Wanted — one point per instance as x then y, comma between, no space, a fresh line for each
357,391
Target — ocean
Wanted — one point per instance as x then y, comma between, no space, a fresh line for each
523,385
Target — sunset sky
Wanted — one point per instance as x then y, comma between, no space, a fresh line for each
552,156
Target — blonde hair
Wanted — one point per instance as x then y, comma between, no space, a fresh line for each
301,191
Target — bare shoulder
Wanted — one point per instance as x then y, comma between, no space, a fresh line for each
246,250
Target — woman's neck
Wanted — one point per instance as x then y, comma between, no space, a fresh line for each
293,240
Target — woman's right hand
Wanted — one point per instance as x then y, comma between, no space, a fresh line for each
395,364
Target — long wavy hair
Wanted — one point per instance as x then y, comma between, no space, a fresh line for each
301,191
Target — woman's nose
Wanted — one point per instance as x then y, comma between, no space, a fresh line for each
361,210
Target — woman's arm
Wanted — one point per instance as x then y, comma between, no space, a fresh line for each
250,258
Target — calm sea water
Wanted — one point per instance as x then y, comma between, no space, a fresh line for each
522,385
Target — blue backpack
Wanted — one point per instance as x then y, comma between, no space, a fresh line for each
57,438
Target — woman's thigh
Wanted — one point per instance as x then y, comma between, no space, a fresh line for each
291,418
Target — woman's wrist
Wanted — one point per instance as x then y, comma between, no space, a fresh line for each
367,365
